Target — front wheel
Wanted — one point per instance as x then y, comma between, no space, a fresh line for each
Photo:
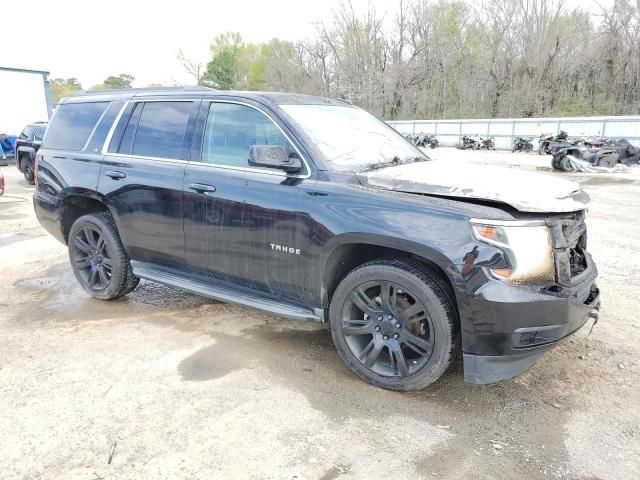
99,261
394,324
565,164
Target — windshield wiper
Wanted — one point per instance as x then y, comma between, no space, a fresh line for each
393,162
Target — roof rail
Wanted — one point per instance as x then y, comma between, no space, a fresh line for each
141,90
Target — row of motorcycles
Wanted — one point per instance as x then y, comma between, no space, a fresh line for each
596,152
423,139
476,143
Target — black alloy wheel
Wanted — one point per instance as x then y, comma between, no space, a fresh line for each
92,258
29,173
394,324
99,261
387,328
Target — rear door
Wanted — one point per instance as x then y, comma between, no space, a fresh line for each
245,225
142,173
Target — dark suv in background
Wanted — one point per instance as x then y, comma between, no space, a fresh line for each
27,145
312,209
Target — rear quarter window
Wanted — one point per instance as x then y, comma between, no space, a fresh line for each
73,124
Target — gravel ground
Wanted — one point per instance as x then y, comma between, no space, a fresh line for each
164,384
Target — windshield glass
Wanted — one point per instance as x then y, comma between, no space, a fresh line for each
351,139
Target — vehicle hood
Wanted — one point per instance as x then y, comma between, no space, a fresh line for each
524,191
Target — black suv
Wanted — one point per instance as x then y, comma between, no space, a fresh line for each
312,209
27,145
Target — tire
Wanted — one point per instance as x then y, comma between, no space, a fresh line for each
432,145
607,162
365,340
565,164
94,241
540,149
555,163
27,170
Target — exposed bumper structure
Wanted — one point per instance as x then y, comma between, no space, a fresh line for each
530,324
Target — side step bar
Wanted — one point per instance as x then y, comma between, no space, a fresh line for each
222,292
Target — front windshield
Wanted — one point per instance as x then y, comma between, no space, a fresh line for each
351,139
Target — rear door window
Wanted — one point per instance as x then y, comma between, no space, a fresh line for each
161,129
72,125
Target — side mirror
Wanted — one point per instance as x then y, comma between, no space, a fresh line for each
273,156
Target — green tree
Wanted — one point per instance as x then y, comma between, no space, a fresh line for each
63,87
223,70
115,82
123,80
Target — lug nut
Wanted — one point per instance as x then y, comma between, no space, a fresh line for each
379,317
398,325
389,317
385,337
395,335
377,328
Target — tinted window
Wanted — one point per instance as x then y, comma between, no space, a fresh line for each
102,129
26,133
72,125
129,133
161,129
39,134
231,129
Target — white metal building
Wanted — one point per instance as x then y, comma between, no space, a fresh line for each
25,97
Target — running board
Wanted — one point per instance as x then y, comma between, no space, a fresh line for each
223,293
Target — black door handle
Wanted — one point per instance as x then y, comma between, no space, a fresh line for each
115,174
202,188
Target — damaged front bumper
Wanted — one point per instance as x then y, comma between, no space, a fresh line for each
514,325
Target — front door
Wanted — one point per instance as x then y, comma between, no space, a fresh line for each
244,225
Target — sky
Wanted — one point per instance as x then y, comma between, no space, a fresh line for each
72,38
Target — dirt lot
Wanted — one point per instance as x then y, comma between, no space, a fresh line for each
171,385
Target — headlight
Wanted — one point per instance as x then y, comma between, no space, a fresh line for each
527,245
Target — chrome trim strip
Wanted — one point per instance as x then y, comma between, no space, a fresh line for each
104,112
507,223
275,172
107,140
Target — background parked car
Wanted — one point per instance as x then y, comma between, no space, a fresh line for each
7,148
27,145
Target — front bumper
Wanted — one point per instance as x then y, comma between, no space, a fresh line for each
512,326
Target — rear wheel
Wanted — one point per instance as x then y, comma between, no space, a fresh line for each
98,258
394,324
27,169
607,162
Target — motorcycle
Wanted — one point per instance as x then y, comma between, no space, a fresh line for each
546,141
467,142
522,144
565,152
488,143
431,140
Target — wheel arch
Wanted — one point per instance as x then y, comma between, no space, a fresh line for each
76,204
22,152
349,251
